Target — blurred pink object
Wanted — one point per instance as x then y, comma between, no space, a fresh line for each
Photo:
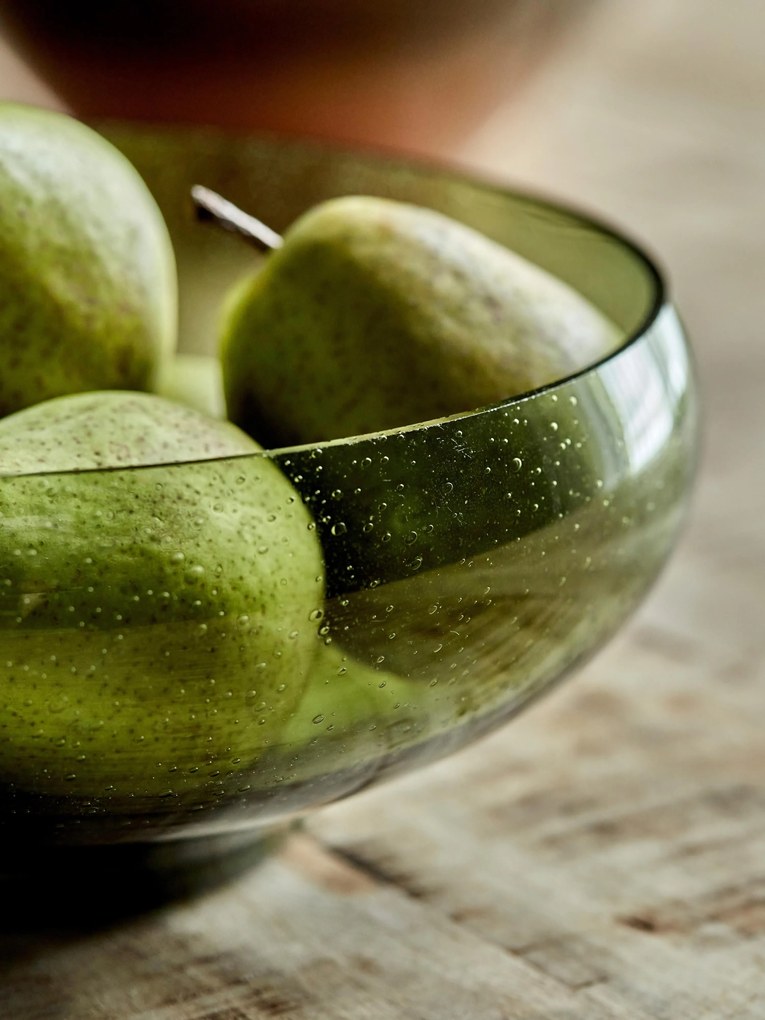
416,76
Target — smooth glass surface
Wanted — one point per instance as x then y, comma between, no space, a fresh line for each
470,563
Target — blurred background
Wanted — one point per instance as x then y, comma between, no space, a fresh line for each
412,75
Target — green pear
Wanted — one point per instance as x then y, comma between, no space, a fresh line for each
88,289
375,314
356,721
352,716
157,619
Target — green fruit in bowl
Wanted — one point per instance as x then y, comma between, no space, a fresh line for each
157,619
354,720
87,272
351,715
392,506
377,314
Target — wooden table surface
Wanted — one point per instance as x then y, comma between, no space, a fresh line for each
603,856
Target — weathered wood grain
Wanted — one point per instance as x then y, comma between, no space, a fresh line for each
603,857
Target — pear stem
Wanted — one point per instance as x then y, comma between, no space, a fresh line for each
213,208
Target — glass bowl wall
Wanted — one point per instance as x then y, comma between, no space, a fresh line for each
470,563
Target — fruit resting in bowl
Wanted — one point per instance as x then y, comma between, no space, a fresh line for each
88,288
163,616
375,314
156,625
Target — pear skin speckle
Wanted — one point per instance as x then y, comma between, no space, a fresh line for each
88,289
377,314
157,623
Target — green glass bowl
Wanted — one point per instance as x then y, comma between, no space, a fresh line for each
471,563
